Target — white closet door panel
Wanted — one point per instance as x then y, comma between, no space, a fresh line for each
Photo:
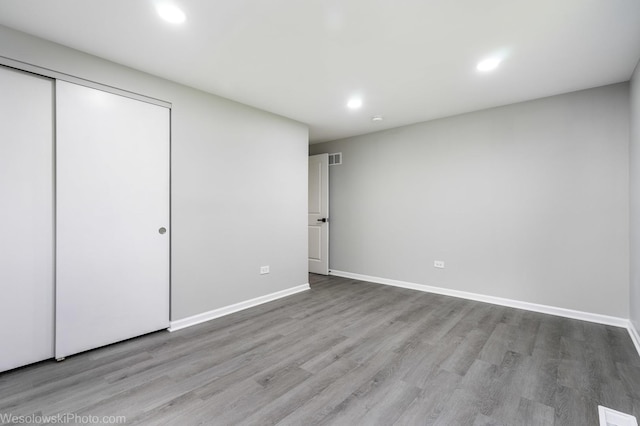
112,199
26,218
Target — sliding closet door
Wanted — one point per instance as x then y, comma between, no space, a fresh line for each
26,218
112,275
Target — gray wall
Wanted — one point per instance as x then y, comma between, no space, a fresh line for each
239,183
527,202
634,162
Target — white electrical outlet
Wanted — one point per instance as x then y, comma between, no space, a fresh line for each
264,270
438,264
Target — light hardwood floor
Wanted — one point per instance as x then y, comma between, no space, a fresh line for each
348,353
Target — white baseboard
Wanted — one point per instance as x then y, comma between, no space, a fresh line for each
226,310
635,336
545,309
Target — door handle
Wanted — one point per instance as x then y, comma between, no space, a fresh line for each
324,219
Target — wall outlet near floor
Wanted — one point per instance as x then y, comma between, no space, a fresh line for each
438,264
264,270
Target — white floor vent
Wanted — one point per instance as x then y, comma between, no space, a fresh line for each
609,417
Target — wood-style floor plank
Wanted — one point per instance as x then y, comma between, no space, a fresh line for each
347,353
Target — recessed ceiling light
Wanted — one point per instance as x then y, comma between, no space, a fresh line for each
376,118
171,13
488,64
354,103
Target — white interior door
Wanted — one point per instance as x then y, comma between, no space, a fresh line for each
319,214
112,275
26,218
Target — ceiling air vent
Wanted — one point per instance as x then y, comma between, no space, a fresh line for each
335,159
